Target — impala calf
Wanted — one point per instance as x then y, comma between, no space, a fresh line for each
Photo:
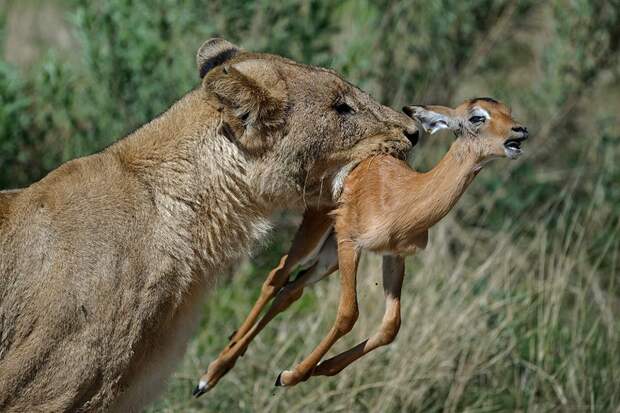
385,207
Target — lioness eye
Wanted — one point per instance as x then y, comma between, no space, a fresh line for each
477,119
342,108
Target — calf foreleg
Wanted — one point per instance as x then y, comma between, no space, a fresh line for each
308,250
346,317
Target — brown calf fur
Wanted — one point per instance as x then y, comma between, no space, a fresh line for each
385,207
105,262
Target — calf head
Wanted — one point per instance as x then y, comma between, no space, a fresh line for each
487,124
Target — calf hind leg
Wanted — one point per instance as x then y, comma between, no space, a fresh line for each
393,274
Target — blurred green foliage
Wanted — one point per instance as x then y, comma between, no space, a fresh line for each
556,63
133,59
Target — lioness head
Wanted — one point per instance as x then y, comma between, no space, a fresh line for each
298,124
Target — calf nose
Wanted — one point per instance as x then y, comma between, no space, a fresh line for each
412,135
522,130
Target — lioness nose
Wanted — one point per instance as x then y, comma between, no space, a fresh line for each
412,134
522,130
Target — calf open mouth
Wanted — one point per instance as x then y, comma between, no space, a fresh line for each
512,147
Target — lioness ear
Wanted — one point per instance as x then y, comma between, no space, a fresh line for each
213,53
433,118
256,94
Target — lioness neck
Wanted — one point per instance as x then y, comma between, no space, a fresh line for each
199,184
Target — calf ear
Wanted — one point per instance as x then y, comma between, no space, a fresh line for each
213,53
433,118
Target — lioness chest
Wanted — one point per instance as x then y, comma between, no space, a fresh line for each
162,354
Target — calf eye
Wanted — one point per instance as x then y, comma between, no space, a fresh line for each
342,108
477,119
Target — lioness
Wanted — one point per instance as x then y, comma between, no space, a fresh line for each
105,262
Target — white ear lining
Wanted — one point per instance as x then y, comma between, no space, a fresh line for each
437,125
433,122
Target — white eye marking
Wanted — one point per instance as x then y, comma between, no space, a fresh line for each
481,112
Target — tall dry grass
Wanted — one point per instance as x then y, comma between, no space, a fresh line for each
518,320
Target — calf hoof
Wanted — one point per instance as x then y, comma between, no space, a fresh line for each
286,379
200,389
279,380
